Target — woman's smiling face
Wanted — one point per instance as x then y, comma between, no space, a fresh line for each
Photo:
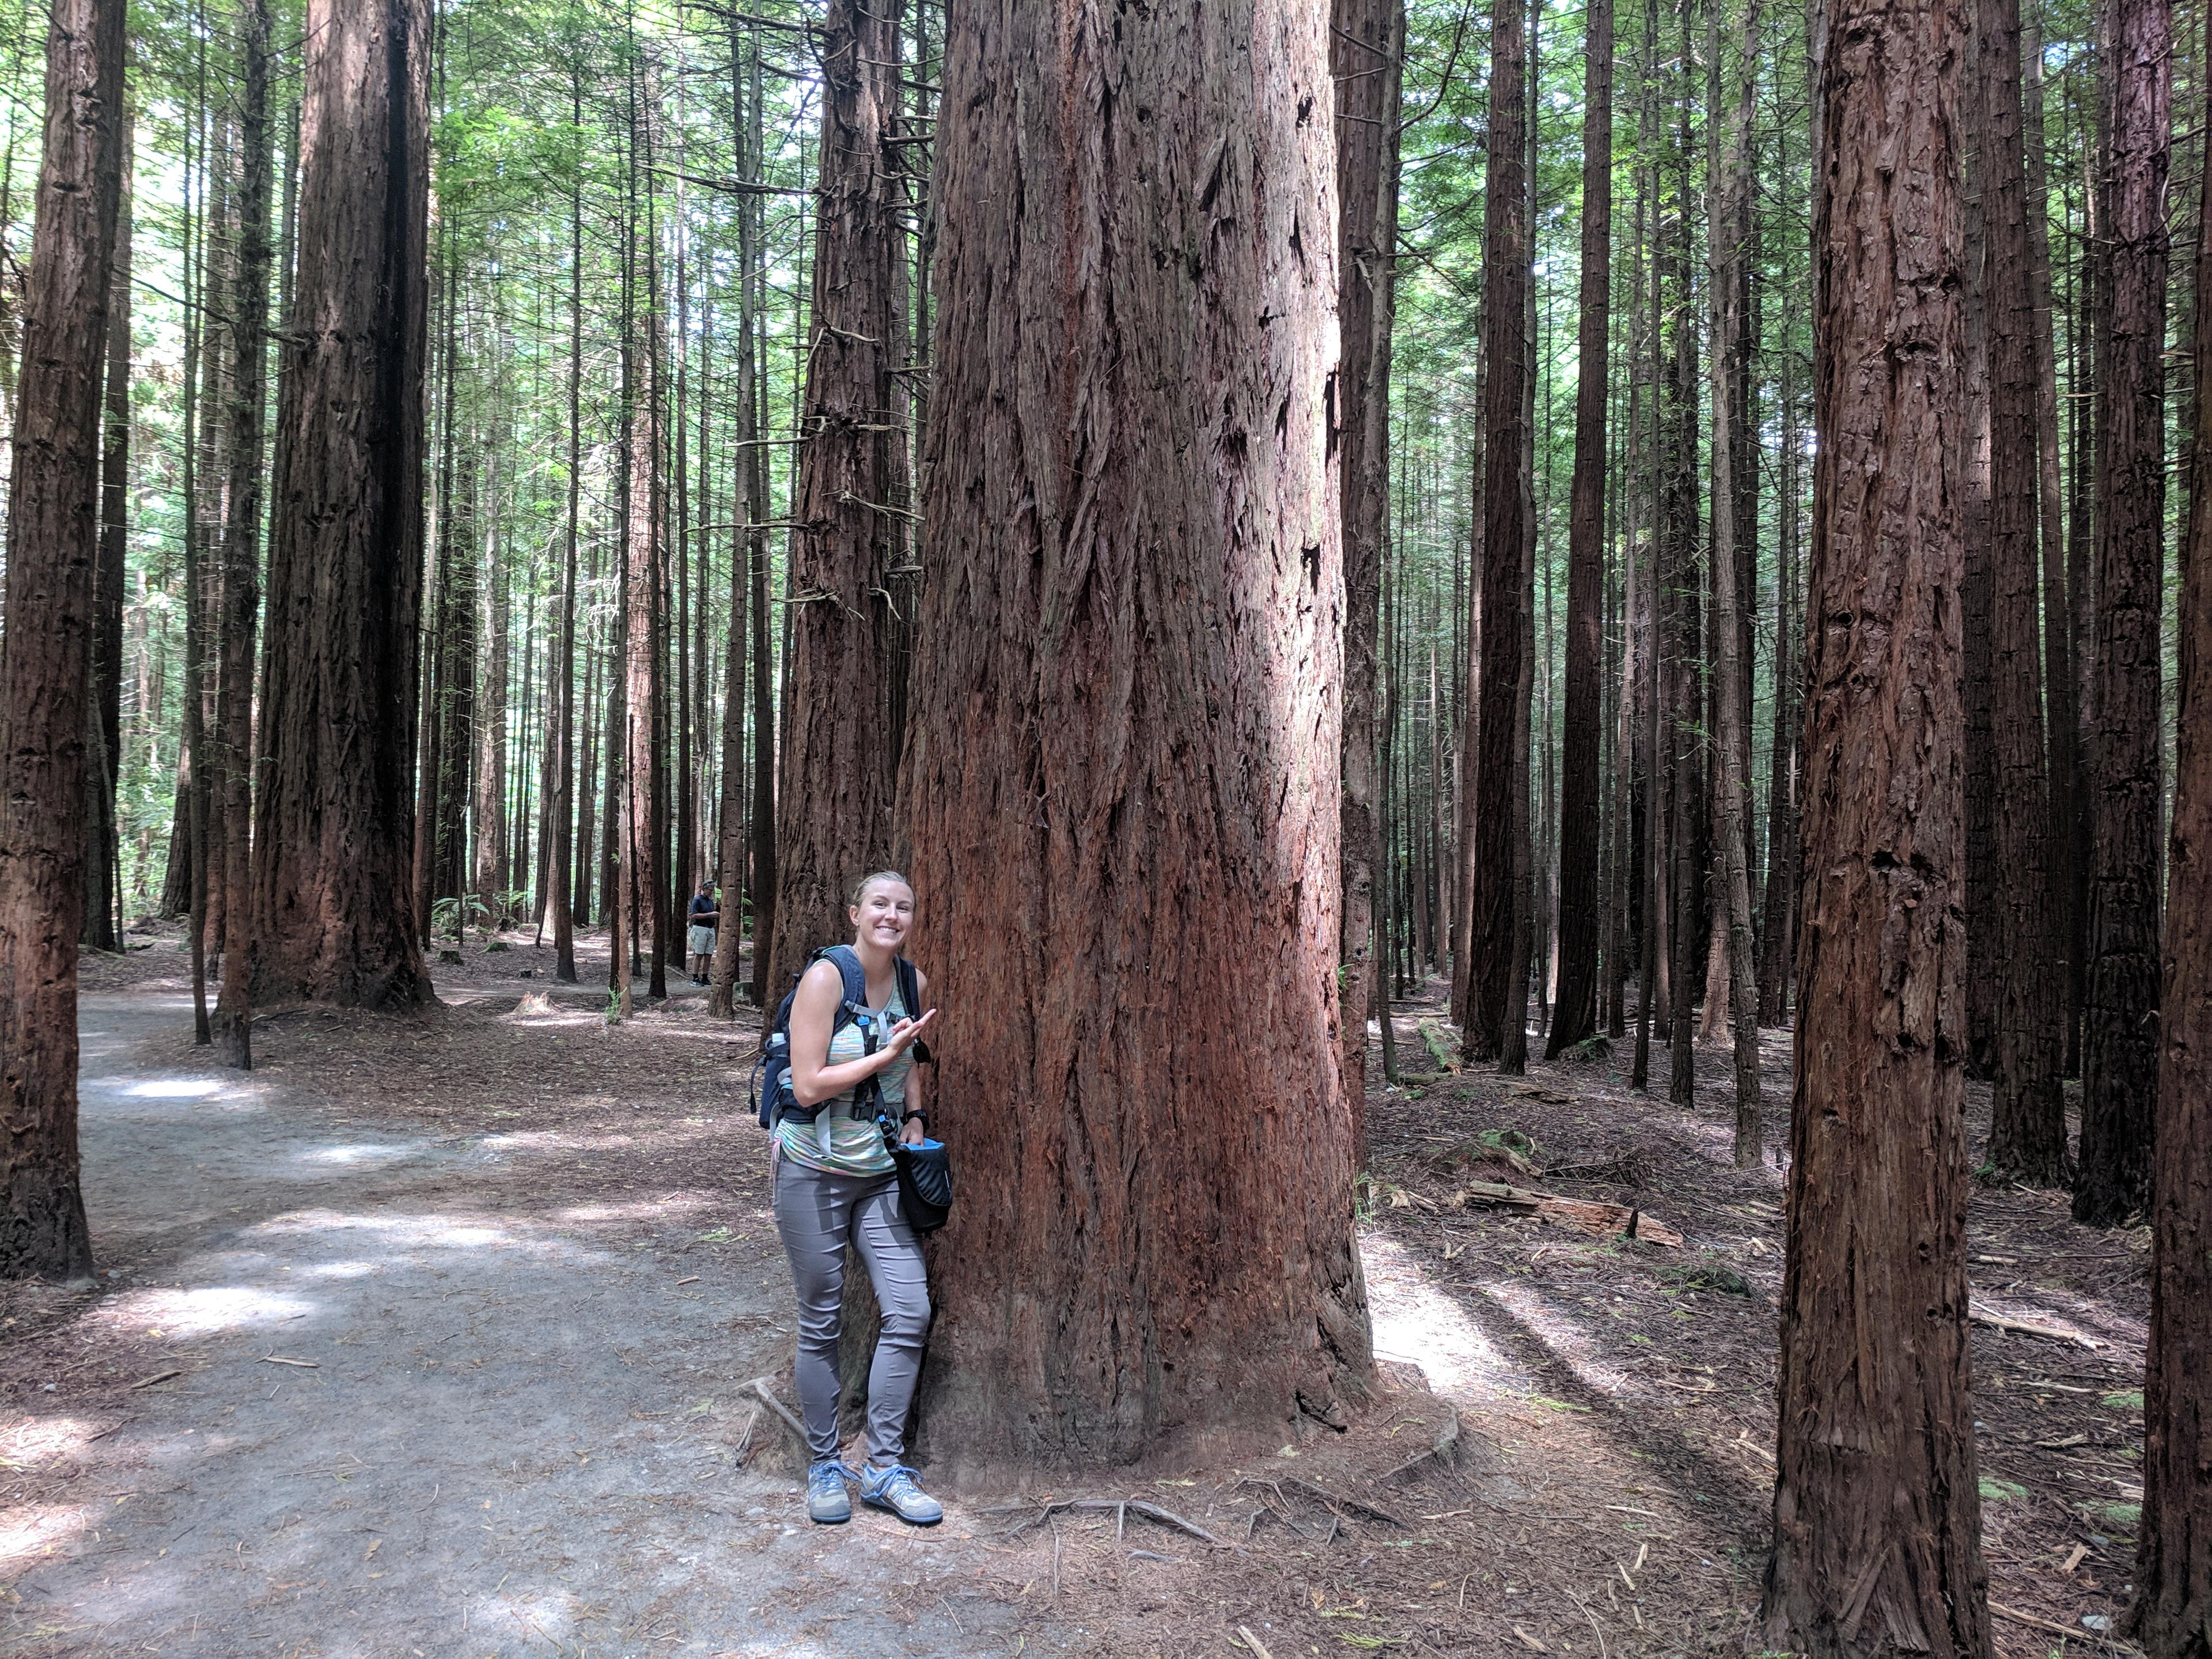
884,913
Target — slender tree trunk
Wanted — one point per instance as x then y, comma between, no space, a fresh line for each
1093,760
748,551
839,770
2120,1045
489,878
456,709
103,898
331,919
1779,923
645,585
1732,737
191,888
1366,45
430,762
1687,799
1575,1012
53,546
1504,625
2062,717
1985,885
2172,1612
241,533
1877,1515
1656,601
561,812
2027,1130
764,735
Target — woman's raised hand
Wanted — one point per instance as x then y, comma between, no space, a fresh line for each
906,1031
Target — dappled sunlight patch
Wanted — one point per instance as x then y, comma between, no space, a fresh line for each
343,1270
174,1088
36,1530
1413,1320
406,1234
547,1617
208,1309
1564,1334
364,1154
40,1439
658,1207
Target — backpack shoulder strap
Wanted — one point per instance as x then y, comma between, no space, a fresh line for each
909,990
855,996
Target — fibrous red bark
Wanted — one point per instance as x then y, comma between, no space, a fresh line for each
1366,43
840,765
1877,1519
2173,1612
2027,1118
233,749
1123,756
1574,1012
53,533
335,818
2119,1028
1502,626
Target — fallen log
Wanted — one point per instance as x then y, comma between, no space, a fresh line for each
1997,1321
1585,1215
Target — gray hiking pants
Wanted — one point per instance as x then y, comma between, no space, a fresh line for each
817,1212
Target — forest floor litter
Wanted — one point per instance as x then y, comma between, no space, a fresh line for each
440,1336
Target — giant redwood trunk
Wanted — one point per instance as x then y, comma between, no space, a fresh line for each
1366,42
1574,1012
839,765
334,822
2119,1031
53,533
1502,630
1877,1515
233,749
1123,756
2172,1612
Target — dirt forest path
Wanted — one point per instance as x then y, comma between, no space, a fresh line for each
432,1336
516,1435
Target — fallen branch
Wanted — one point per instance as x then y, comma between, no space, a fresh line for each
1330,1501
759,1386
1587,1215
1445,1453
2029,1328
148,1382
2049,1626
1123,1505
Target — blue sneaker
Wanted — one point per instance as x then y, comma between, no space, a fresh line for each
893,1489
827,1503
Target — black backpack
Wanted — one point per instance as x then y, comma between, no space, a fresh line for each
773,1099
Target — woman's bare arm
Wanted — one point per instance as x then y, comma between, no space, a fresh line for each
813,1015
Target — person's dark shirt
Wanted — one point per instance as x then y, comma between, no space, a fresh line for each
703,905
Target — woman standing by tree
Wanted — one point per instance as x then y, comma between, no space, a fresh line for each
836,1185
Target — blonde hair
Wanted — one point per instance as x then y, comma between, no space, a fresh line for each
859,890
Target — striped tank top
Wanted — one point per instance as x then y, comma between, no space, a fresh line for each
855,1146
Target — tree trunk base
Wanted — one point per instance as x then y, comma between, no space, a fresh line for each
42,1233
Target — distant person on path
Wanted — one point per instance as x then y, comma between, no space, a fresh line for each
705,916
835,1184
